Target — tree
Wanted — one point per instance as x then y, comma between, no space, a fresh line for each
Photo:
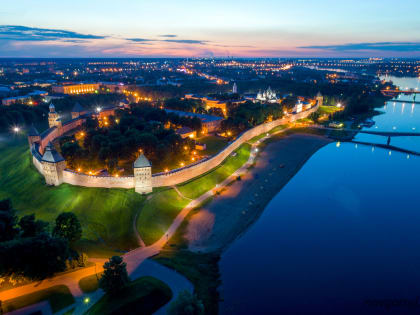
115,275
33,257
31,227
186,304
8,221
68,227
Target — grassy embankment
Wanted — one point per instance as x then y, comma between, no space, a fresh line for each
199,268
144,295
58,296
214,144
161,208
90,283
198,186
106,215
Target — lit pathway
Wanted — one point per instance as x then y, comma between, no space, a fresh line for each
180,193
133,258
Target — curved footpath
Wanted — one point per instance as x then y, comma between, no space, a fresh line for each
134,258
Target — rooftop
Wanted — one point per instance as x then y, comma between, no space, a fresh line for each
142,161
51,155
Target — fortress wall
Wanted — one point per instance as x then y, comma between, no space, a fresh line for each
189,172
78,179
37,164
53,134
162,179
73,124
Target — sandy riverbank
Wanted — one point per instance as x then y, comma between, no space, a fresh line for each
230,214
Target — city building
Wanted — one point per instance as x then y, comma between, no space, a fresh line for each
267,96
79,88
235,88
319,99
186,132
210,123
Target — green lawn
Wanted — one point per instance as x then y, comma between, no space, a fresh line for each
90,283
326,110
214,144
198,186
58,296
106,214
142,296
158,213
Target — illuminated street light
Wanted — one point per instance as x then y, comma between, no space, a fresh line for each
86,300
16,129
98,109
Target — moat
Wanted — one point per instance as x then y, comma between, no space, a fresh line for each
341,235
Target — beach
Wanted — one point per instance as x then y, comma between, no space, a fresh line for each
232,212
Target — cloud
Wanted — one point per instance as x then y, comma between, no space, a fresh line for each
179,41
168,35
24,33
186,41
380,46
140,40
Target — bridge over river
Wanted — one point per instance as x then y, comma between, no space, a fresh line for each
388,134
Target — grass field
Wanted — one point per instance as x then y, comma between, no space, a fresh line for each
214,144
158,213
142,296
326,110
196,187
58,296
90,283
106,215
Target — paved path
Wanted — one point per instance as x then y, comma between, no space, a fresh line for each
133,258
180,193
140,241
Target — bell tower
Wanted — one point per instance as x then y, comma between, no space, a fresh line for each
319,99
53,118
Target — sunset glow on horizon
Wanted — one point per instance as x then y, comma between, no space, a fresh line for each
186,28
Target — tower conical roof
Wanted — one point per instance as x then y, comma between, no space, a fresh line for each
33,132
51,155
52,107
77,108
142,161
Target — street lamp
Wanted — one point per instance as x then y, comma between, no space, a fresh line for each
16,129
98,109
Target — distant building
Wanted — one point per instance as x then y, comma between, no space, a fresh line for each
267,96
235,88
53,118
186,132
209,102
319,99
80,88
210,123
16,99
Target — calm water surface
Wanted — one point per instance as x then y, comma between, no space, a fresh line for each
342,237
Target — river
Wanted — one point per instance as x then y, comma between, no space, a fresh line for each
342,237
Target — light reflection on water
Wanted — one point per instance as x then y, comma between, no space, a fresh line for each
343,230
